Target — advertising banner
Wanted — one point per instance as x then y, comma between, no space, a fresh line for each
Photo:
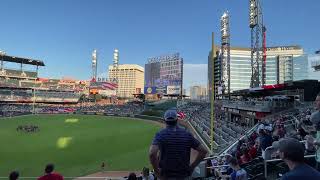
173,90
161,90
107,92
150,90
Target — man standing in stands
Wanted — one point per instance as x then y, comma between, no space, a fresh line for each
174,145
291,151
315,119
49,174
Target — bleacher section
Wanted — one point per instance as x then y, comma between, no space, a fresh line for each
225,132
234,138
26,95
18,74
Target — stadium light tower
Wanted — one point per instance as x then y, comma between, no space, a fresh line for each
256,26
2,53
94,65
225,52
115,65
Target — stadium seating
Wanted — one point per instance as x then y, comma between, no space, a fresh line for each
18,73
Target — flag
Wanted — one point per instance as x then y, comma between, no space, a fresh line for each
103,85
181,115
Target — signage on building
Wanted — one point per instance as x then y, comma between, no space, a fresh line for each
174,56
107,92
251,113
283,48
161,90
173,89
150,90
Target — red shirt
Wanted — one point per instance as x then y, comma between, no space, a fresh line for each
253,152
51,176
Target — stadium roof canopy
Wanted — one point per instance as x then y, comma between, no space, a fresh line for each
20,60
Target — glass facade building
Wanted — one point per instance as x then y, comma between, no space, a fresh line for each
314,66
284,63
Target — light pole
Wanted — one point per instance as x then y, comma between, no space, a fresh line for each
2,53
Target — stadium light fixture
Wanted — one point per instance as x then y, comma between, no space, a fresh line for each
3,53
252,13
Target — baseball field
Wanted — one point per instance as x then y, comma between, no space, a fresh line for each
76,144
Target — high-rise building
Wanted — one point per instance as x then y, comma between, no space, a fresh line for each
198,93
284,63
314,66
130,78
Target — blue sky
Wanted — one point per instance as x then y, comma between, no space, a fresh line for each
63,33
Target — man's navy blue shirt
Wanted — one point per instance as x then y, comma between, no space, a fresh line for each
175,145
302,171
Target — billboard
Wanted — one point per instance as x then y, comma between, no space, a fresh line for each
150,90
164,71
107,92
172,90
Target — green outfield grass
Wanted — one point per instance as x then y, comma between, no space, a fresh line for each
76,144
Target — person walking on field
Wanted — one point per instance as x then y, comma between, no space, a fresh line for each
174,145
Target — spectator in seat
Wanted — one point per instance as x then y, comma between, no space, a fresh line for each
49,174
301,132
310,147
315,119
174,145
253,150
291,151
14,175
238,172
132,176
245,157
146,174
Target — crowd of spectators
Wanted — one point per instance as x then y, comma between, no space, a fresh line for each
41,95
111,109
127,109
251,150
264,142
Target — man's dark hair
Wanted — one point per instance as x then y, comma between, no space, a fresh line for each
292,150
14,175
49,168
233,161
132,176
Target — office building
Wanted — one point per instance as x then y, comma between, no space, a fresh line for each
130,78
284,63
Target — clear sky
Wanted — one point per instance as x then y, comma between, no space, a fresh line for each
63,33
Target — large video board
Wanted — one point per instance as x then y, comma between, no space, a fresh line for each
163,71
